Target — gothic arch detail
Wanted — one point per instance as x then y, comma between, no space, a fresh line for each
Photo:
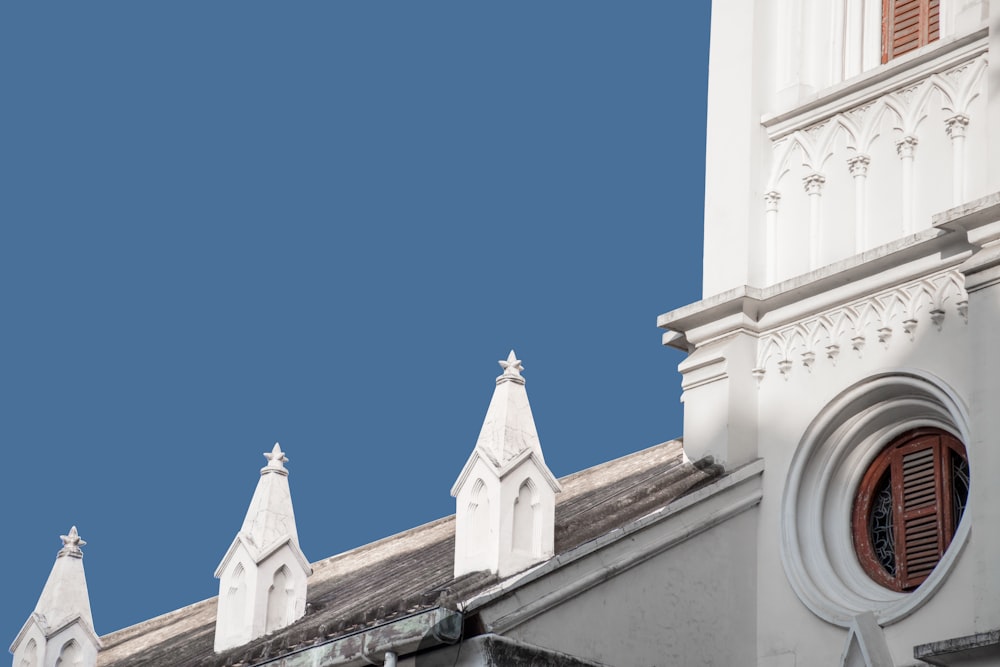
525,524
236,595
30,655
866,324
70,654
854,176
478,520
957,88
279,597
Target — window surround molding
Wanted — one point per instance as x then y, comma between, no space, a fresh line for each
907,70
817,547
807,62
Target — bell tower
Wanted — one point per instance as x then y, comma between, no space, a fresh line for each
851,283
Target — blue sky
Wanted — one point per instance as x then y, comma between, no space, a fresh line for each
322,223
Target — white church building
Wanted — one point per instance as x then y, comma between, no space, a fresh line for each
830,501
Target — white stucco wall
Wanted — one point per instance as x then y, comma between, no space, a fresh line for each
787,407
688,606
659,590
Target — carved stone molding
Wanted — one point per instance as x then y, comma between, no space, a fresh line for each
906,146
955,126
771,200
859,165
864,326
813,183
813,143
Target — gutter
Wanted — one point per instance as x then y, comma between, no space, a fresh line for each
379,645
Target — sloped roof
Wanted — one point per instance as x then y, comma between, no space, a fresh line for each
413,570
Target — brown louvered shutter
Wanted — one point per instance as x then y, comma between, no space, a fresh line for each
923,475
917,496
933,20
908,25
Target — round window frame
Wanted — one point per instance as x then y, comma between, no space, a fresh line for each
861,515
837,449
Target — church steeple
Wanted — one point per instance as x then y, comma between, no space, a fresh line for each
262,578
61,629
505,507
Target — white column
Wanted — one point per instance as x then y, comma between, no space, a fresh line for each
905,148
859,170
840,42
955,126
789,60
871,56
771,200
814,189
854,40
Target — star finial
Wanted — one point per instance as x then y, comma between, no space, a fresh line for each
71,543
512,368
275,459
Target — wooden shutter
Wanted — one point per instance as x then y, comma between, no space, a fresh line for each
933,20
918,497
920,466
908,25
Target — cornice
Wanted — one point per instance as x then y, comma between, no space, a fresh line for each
970,216
865,324
754,310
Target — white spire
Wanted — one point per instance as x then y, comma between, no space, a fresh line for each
65,594
509,427
505,513
262,578
62,623
508,434
270,516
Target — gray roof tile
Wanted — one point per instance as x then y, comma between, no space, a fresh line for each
412,571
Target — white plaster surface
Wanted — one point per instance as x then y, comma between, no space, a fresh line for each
686,606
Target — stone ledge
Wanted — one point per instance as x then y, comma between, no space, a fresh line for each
979,649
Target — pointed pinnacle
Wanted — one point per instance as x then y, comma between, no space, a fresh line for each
275,459
71,543
512,367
